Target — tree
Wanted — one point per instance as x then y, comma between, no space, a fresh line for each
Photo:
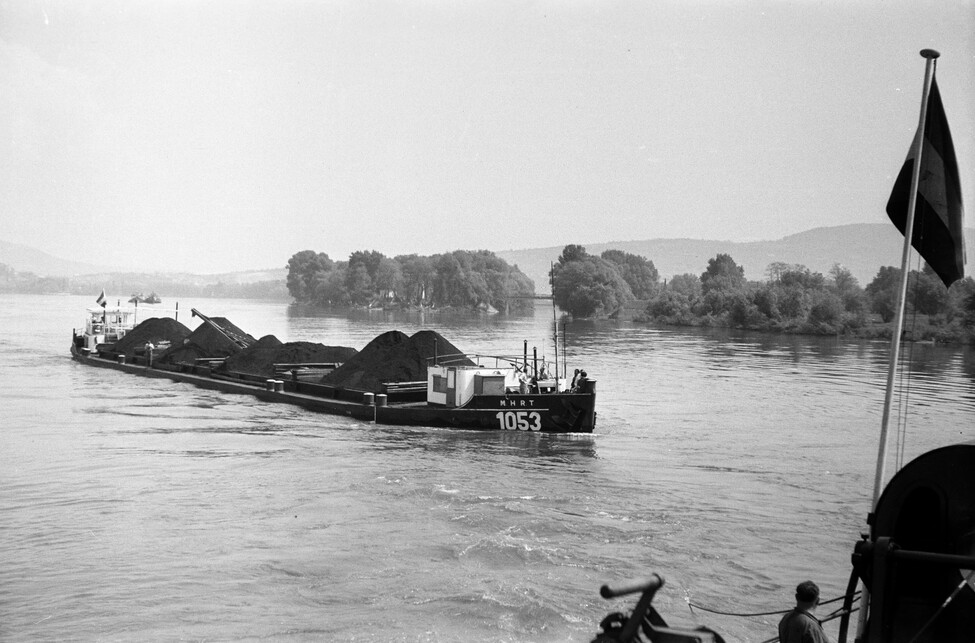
962,294
882,292
585,285
687,284
670,306
843,279
330,290
846,286
304,270
928,293
826,309
388,278
803,278
571,253
722,274
775,269
638,272
358,285
418,274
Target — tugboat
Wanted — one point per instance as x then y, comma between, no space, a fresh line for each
103,327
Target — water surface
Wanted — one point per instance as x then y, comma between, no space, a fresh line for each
733,464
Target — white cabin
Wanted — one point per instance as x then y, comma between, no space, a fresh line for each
106,325
454,386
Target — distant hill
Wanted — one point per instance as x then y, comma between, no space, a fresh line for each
27,259
190,279
863,248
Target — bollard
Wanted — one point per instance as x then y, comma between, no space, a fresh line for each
279,386
120,359
269,385
380,399
368,399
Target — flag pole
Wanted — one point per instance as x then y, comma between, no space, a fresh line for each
931,56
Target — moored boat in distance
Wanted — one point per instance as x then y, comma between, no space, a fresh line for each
397,380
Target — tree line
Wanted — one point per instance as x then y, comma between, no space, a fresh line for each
462,279
791,298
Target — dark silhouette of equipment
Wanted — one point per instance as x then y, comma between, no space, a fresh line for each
917,561
644,623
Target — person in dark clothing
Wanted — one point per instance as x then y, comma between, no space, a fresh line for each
580,383
799,625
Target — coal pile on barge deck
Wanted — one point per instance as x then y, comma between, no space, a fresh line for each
395,357
159,331
207,342
260,358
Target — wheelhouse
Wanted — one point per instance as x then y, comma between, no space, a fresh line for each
105,325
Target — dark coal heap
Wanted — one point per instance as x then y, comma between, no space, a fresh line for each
260,358
156,330
206,342
395,357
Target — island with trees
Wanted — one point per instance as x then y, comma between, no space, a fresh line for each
792,299
476,280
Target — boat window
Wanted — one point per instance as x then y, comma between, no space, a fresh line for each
439,384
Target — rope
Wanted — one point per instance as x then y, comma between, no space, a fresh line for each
691,606
905,366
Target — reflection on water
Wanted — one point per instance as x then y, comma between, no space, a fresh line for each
567,448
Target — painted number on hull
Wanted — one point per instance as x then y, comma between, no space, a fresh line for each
520,420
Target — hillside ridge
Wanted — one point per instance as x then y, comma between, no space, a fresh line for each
863,248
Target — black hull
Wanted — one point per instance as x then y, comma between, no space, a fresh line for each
547,413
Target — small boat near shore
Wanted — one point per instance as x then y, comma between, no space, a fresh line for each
456,390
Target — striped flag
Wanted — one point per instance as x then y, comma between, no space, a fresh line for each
938,214
101,299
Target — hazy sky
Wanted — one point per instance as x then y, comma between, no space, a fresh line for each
211,136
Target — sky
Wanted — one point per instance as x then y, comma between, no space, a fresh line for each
215,136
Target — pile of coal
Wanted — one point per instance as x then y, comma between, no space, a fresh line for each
395,357
159,331
207,342
260,358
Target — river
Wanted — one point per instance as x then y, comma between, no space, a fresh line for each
733,464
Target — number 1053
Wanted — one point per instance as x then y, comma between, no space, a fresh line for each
520,420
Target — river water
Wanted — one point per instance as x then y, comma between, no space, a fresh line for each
733,464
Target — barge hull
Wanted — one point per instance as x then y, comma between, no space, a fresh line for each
547,413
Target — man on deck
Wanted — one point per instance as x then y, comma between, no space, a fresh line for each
799,625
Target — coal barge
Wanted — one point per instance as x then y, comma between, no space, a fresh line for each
421,380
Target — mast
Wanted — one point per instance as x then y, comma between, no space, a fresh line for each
555,318
931,56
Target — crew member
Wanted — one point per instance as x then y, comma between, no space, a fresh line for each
581,381
149,348
799,625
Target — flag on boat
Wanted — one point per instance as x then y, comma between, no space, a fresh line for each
101,299
938,214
